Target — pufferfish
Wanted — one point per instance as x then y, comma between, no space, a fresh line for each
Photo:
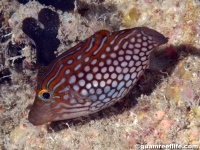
93,75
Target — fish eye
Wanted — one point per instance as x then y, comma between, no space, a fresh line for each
45,94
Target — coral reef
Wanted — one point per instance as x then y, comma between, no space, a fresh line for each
163,107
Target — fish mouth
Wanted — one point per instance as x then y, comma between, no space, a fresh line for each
156,36
32,118
37,116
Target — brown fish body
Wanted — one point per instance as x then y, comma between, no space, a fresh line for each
94,74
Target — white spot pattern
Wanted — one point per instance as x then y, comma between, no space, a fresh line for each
138,63
95,69
115,63
120,58
107,49
124,64
87,68
150,46
84,92
133,76
77,67
136,51
132,40
95,83
128,83
102,83
113,55
88,85
79,57
76,87
125,70
104,69
81,74
98,76
130,46
89,76
135,57
102,96
142,54
143,58
99,91
113,75
103,56
106,100
144,49
108,61
139,40
87,59
111,68
108,74
131,63
127,77
114,84
121,52
130,52
128,57
94,61
120,77
72,79
81,82
124,45
67,71
137,45
101,64
72,101
116,47
65,97
144,44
